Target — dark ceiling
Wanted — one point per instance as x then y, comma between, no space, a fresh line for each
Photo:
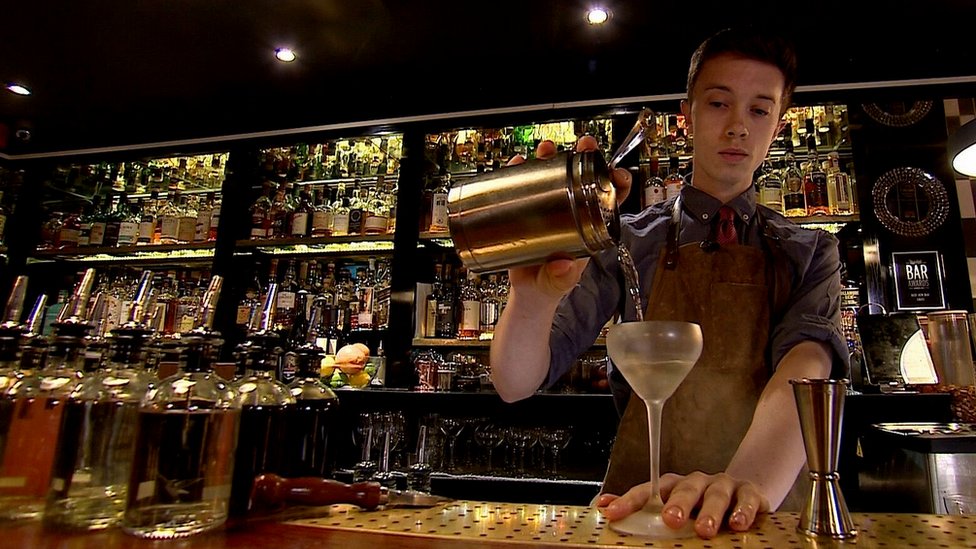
126,72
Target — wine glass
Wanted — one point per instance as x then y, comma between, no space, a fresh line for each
451,428
654,356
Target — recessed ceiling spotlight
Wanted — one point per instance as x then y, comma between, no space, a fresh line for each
597,15
19,89
285,55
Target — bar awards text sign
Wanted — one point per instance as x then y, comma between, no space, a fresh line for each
918,280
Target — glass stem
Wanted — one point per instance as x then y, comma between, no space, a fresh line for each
654,436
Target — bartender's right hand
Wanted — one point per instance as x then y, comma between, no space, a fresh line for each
557,277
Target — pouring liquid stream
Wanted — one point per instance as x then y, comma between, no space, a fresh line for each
631,282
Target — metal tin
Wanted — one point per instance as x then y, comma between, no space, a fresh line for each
529,213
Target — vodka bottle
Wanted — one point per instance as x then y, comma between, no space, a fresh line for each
97,439
181,472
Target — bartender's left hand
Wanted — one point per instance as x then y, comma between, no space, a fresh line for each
715,496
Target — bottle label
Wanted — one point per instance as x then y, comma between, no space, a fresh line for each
202,228
168,228
214,219
146,231
376,224
186,229
128,233
654,194
470,316
97,235
286,300
438,217
340,224
355,221
68,238
299,224
322,223
243,314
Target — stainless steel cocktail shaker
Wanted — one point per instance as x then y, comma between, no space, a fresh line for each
528,213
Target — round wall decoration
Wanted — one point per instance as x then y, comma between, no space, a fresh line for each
898,115
910,201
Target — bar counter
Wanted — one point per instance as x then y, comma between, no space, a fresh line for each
464,524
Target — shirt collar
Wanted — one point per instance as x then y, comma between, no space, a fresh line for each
704,207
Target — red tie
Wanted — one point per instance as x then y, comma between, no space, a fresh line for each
726,226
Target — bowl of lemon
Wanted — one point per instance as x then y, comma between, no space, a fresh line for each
352,367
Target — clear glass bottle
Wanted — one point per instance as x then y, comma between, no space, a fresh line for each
187,229
814,179
216,204
673,182
654,190
285,307
260,214
438,206
205,209
794,201
322,215
36,404
840,192
490,307
97,441
301,216
340,212
169,221
469,299
181,473
147,219
771,187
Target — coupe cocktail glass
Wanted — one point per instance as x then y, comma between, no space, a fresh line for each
654,356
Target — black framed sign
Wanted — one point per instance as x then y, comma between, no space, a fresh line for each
918,280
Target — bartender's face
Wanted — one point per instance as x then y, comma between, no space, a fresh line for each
734,114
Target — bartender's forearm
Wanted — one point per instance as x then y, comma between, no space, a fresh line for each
520,347
772,453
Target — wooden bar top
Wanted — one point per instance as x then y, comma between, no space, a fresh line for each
464,524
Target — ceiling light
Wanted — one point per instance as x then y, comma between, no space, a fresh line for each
597,15
962,149
285,55
19,89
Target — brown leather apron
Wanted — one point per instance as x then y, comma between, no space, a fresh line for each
730,291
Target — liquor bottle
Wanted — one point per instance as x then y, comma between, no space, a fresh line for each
250,303
301,216
85,224
430,316
340,212
35,404
438,207
356,209
382,296
70,231
11,335
113,220
654,190
185,439
260,220
128,222
794,201
97,232
365,293
673,182
264,402
391,197
840,192
168,220
322,215
307,451
147,220
216,204
285,306
814,178
187,229
379,212
490,307
445,323
771,187
280,210
469,299
201,230
97,441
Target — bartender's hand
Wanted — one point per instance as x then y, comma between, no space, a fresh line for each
715,497
557,277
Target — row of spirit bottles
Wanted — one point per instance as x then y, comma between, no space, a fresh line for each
808,189
118,442
288,210
359,157
467,306
117,220
182,173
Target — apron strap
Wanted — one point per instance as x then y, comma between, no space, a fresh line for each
674,231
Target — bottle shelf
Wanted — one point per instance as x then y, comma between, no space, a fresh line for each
162,254
327,245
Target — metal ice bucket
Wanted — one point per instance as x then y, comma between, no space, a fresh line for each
528,213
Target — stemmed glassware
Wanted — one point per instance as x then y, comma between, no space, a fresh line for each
555,440
489,437
654,356
451,427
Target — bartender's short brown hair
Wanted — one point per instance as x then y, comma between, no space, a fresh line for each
750,43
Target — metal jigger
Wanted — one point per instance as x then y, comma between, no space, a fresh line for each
820,403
